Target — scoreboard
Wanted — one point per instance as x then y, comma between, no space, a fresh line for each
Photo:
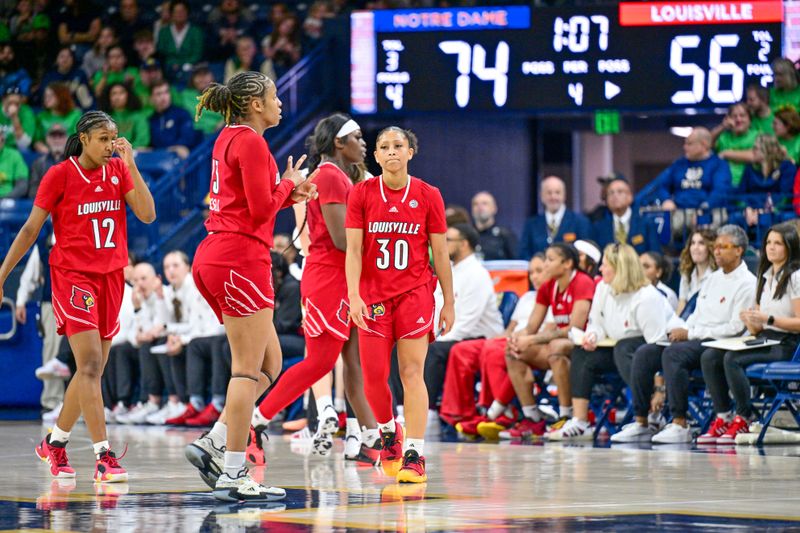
634,55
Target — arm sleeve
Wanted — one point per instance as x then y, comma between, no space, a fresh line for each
596,322
30,277
51,189
470,306
253,156
436,221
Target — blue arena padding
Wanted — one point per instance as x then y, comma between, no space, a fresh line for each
19,357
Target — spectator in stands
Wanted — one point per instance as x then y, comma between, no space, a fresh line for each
30,31
557,224
66,71
283,46
151,321
775,316
13,171
568,295
786,125
144,46
496,242
180,43
623,225
589,255
315,19
627,309
201,78
699,180
171,127
277,12
246,59
122,368
79,25
115,70
56,141
58,107
127,22
767,184
728,291
469,357
164,17
228,21
658,270
22,24
600,211
733,140
18,120
477,315
696,265
456,214
785,90
95,58
150,74
288,314
12,75
758,105
121,103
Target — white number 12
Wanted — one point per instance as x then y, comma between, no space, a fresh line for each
108,223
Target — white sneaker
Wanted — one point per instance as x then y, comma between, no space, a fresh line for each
244,488
573,430
53,369
110,418
323,438
208,457
673,434
51,416
170,410
656,421
352,447
120,410
139,414
634,432
433,427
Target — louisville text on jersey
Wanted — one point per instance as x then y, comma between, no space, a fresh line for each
403,228
90,208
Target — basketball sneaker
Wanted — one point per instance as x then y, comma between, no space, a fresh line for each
633,432
243,488
55,455
180,420
204,418
367,455
108,470
323,438
717,429
739,425
255,447
574,429
523,429
392,450
558,424
490,429
207,457
413,469
352,447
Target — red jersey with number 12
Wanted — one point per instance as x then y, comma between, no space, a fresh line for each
246,189
396,225
89,216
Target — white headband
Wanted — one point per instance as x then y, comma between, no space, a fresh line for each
347,128
588,249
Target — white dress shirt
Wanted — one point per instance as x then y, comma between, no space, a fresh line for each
781,307
30,279
197,317
554,219
672,298
628,315
127,320
152,313
719,302
475,302
625,220
692,284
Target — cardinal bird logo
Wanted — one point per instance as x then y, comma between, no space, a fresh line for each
377,310
81,299
343,314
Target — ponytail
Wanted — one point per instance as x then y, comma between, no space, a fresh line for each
88,122
232,99
73,147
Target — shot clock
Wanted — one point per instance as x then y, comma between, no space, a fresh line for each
637,55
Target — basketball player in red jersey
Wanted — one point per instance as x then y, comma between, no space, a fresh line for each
232,269
336,147
86,195
390,221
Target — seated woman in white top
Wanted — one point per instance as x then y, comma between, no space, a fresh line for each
626,308
775,316
658,269
696,264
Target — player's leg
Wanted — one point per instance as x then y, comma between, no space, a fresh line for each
369,449
532,422
411,359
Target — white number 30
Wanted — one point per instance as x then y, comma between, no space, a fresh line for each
400,254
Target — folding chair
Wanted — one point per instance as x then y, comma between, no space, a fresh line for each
785,377
615,395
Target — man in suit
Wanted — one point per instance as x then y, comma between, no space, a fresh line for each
622,224
557,224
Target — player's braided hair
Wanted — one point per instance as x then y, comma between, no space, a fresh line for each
88,122
232,99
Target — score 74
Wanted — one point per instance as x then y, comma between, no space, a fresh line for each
472,60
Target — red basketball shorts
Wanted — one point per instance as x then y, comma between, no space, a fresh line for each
83,301
324,293
233,272
406,316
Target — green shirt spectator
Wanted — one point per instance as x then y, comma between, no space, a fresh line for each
762,125
13,172
731,141
758,105
786,90
181,42
18,120
133,126
115,70
201,78
787,130
58,107
734,140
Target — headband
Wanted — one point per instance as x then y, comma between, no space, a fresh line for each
347,128
588,249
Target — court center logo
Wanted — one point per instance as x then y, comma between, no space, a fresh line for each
81,299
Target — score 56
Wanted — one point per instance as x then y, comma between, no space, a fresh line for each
716,69
472,60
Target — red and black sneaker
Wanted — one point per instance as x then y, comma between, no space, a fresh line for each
180,420
255,447
55,455
369,455
108,470
204,418
392,450
413,470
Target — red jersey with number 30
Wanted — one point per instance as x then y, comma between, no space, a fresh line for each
246,187
89,216
396,226
333,187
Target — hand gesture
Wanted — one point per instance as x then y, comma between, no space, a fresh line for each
307,190
122,146
358,310
292,171
446,318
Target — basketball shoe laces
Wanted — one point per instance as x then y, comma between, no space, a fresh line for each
388,440
60,455
111,459
412,460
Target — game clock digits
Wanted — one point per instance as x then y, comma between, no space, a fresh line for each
642,55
